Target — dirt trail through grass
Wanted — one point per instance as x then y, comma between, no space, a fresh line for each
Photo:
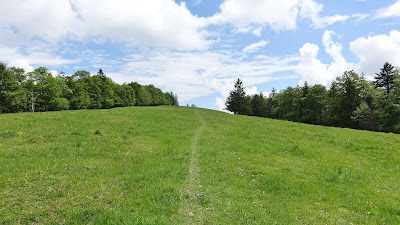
191,211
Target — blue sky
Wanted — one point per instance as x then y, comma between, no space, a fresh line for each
198,48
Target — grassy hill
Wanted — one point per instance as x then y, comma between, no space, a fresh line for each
178,165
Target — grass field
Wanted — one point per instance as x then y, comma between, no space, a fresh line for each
179,165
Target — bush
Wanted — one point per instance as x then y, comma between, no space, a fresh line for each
58,104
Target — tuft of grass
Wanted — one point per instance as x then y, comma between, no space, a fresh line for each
97,132
37,140
180,165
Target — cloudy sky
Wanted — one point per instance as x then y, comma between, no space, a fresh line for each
198,48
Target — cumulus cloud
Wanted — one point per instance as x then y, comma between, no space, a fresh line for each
47,19
255,47
277,15
251,90
339,64
310,68
391,11
374,51
32,32
160,23
313,70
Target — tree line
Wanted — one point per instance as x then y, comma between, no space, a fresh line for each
40,91
351,102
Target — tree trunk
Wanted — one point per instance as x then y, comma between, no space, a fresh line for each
32,102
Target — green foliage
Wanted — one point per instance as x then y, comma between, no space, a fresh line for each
148,95
286,108
12,93
47,91
351,101
57,104
365,117
41,91
238,102
145,96
258,105
172,98
386,78
125,95
313,102
79,98
348,87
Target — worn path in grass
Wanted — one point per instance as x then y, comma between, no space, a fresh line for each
191,211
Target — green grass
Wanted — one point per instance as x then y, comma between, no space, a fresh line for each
179,165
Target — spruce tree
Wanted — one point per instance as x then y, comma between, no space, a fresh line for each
101,74
385,79
237,101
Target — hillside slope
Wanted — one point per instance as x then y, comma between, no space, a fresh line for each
179,165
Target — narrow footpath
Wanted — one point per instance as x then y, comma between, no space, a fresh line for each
191,211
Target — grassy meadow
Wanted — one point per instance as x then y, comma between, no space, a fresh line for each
179,165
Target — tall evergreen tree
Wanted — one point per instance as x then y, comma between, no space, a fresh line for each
385,79
101,74
237,101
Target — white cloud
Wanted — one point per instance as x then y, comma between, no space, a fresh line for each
339,64
310,68
312,10
197,2
374,51
36,55
160,23
33,32
255,47
220,103
313,70
391,11
251,90
360,16
278,15
257,31
46,19
196,74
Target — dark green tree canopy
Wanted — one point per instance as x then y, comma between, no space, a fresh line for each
41,91
351,101
385,79
237,102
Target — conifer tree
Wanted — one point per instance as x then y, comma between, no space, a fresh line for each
385,79
237,101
